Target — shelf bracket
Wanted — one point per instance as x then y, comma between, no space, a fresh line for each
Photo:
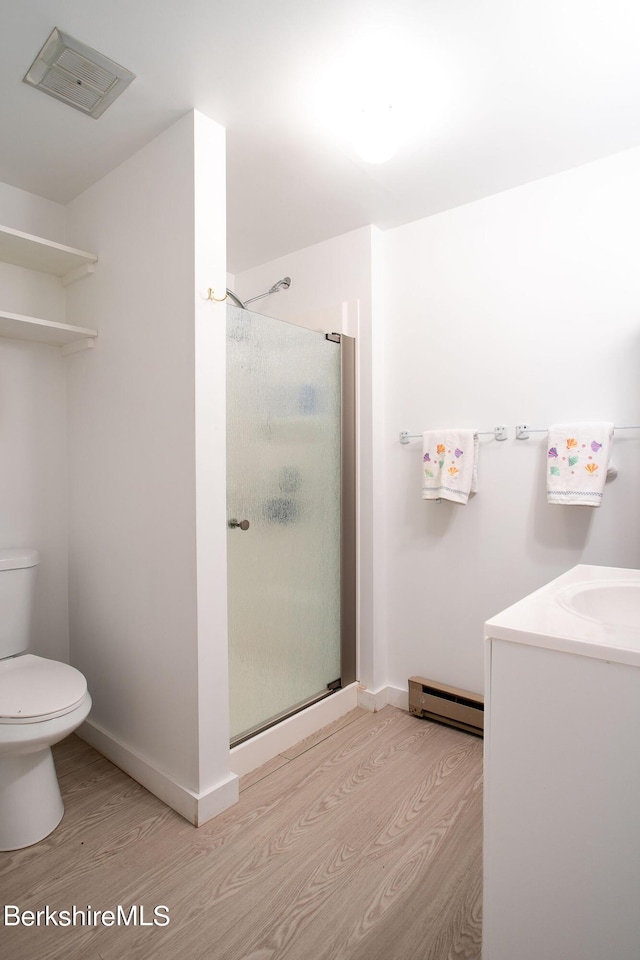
78,273
87,343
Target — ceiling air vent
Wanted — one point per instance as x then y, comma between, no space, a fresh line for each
72,72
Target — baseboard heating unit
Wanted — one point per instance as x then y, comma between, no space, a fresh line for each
436,701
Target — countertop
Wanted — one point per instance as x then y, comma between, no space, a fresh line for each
590,611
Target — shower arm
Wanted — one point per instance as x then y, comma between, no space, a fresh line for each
259,297
283,284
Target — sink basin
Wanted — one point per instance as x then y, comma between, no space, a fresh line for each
593,611
616,603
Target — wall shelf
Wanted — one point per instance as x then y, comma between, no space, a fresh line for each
25,250
35,253
20,327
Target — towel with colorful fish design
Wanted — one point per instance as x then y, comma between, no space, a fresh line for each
577,462
449,464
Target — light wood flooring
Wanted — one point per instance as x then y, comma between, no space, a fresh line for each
362,842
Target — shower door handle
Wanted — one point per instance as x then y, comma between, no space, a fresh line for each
242,524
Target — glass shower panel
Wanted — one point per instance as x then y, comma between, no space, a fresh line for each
283,477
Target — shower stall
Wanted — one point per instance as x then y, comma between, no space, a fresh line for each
291,517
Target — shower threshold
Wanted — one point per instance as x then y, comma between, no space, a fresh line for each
279,717
272,742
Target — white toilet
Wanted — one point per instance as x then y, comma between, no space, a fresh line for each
41,702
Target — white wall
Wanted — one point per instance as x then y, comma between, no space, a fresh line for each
143,630
332,289
32,214
524,307
33,479
211,472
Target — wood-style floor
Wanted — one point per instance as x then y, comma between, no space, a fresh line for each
362,842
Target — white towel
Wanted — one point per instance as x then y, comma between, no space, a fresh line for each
449,464
578,461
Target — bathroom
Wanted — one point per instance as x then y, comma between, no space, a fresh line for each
520,307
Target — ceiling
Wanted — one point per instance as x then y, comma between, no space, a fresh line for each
498,93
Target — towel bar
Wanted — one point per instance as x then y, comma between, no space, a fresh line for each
498,433
523,431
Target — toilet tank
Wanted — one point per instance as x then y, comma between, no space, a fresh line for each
17,584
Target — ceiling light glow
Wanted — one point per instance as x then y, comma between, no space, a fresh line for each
375,135
365,97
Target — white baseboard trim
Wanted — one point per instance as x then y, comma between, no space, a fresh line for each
398,698
197,808
374,700
265,746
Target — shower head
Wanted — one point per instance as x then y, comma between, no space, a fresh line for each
283,284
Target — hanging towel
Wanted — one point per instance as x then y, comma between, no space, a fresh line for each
449,464
578,462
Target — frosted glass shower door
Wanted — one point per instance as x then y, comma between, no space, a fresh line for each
283,491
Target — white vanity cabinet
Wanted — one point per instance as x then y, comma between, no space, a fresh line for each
562,772
35,253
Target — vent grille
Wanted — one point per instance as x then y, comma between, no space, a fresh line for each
69,90
86,71
72,72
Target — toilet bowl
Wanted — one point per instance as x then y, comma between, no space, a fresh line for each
41,702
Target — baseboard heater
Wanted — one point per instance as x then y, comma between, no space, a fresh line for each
457,708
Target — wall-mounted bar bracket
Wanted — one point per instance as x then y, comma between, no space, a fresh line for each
523,431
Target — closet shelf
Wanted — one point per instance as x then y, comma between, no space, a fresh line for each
19,327
35,253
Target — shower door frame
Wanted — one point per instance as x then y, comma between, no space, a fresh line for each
348,539
348,512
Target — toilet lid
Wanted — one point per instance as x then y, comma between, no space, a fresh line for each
32,687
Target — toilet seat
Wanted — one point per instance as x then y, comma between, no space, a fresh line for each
33,689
